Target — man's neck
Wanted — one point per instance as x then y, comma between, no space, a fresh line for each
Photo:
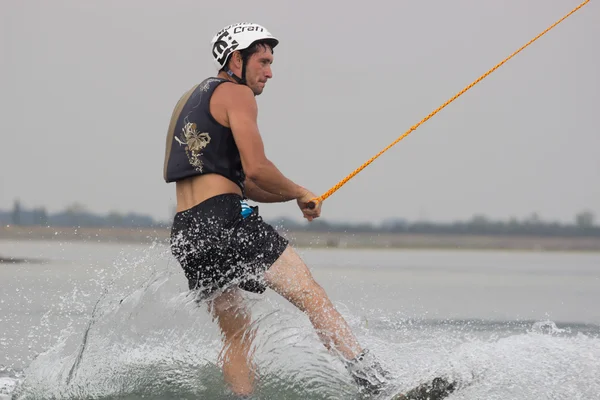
225,75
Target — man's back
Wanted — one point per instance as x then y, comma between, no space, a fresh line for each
201,155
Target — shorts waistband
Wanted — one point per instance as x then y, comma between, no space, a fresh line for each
225,198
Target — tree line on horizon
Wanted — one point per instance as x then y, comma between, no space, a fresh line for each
76,215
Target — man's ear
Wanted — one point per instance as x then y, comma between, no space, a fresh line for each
237,59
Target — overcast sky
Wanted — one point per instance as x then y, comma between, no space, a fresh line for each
88,87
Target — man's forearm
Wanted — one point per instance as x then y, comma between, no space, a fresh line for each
268,178
253,192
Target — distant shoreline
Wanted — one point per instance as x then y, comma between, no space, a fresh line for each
303,239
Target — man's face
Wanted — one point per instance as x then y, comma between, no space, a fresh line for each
258,69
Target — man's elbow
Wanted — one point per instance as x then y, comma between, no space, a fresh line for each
255,171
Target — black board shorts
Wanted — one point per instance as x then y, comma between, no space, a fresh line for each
222,242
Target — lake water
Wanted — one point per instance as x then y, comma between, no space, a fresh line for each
115,321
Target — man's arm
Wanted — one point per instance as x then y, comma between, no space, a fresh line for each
253,192
242,113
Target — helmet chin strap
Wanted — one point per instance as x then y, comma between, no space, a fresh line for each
234,76
242,80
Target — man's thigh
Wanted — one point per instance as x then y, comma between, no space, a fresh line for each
290,277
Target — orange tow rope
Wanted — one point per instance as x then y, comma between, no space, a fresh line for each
328,193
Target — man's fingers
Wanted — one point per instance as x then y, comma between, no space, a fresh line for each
310,217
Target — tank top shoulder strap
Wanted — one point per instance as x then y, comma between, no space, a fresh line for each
205,91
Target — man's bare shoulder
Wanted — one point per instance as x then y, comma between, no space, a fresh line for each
234,96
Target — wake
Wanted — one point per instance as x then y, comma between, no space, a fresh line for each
157,342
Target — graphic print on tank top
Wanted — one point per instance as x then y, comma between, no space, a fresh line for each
194,143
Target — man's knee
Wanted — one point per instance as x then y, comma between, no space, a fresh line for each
291,278
230,311
310,295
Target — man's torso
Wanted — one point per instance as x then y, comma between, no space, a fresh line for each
201,155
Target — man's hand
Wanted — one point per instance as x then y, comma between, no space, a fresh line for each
309,213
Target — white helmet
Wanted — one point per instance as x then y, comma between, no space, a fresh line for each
238,37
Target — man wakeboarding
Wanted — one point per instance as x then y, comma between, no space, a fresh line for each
215,155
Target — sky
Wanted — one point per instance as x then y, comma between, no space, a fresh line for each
87,89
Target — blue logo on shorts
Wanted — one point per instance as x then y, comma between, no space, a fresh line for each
246,209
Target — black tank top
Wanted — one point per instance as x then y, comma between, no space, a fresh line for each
196,143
